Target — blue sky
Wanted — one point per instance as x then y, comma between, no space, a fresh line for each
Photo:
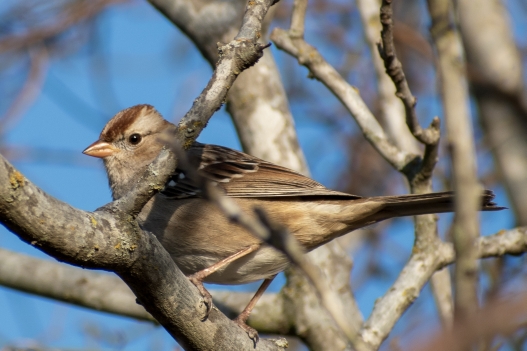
149,61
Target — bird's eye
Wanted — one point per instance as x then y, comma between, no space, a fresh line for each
134,139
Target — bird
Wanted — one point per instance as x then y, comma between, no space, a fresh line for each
204,244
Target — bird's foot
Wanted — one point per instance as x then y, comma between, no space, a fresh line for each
207,297
253,334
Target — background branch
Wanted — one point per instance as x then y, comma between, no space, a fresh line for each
451,70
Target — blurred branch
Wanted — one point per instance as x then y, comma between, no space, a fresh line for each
29,91
451,70
441,286
98,291
501,317
107,293
68,16
496,76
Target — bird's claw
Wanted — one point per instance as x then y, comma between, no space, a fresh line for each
207,297
253,334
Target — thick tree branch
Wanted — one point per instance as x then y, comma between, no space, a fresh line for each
108,293
110,239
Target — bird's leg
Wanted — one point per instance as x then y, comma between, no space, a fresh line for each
242,317
198,277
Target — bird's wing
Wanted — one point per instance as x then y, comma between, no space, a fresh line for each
242,175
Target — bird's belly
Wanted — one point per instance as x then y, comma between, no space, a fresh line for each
197,235
258,265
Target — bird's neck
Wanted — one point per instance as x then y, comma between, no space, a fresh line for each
121,183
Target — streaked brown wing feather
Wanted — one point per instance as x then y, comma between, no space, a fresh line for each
242,175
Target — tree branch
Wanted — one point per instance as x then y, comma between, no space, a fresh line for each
110,239
234,57
451,70
392,111
308,56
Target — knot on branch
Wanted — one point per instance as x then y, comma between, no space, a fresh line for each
248,54
244,52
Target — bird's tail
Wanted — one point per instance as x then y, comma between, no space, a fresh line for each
412,205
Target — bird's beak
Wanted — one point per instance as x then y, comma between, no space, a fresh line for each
100,149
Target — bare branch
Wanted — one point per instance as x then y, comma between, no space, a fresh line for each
394,69
429,136
101,292
441,286
234,57
461,143
400,296
308,56
392,110
496,74
298,18
418,271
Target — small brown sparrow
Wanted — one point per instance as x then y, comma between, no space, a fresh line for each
198,236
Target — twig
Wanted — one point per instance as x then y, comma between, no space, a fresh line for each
394,69
234,57
391,109
298,18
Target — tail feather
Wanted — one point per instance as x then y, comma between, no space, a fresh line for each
412,205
